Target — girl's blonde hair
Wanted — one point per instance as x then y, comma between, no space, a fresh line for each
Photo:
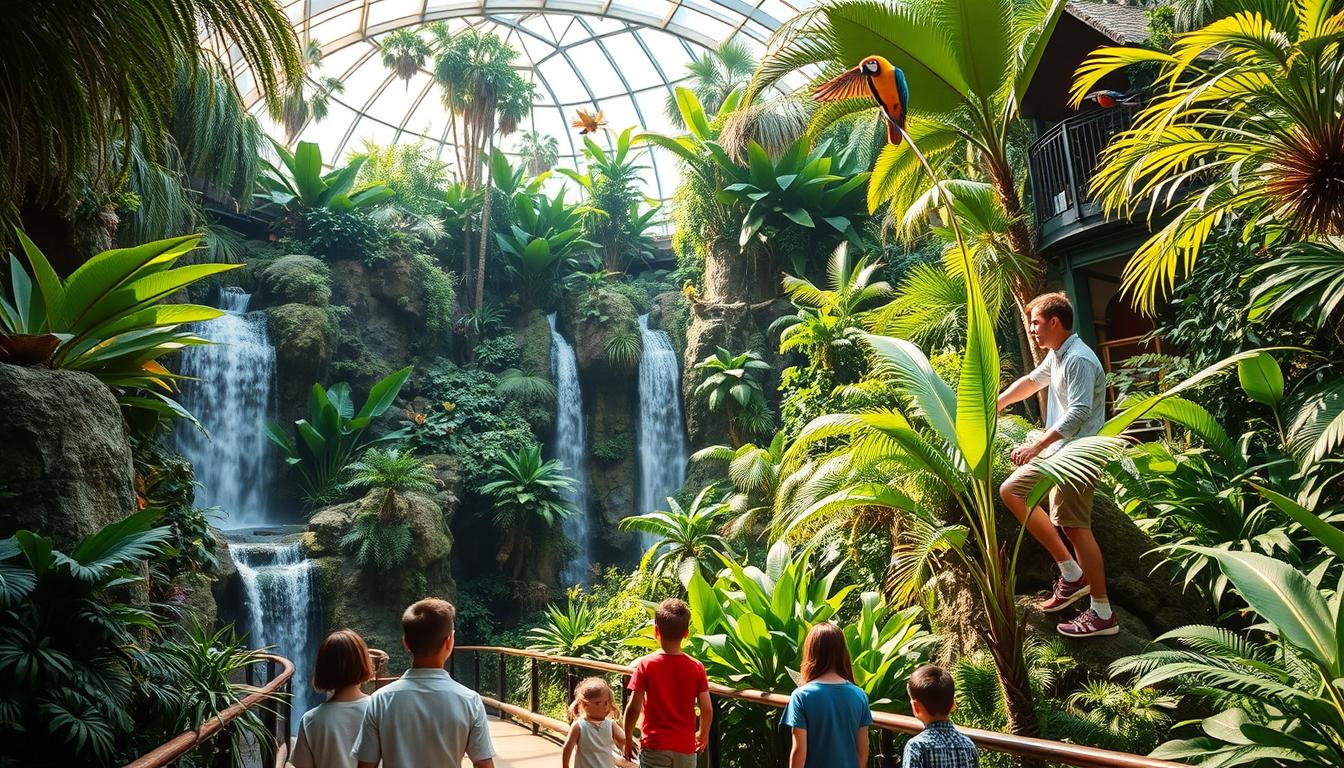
591,689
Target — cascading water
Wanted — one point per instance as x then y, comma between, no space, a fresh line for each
572,450
231,398
278,591
662,433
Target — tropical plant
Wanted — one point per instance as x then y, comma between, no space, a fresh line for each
404,52
753,471
333,433
526,387
713,78
1304,282
576,631
732,385
528,495
108,318
685,541
828,319
389,472
1244,131
968,64
624,349
1278,702
300,182
612,184
481,90
57,142
410,169
544,235
308,95
538,151
379,543
220,143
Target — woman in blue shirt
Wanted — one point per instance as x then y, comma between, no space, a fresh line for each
828,713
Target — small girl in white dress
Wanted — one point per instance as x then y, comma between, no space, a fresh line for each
593,734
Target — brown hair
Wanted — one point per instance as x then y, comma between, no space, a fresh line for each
342,661
672,617
824,651
934,689
1054,305
427,624
590,689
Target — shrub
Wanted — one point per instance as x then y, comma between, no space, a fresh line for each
343,234
614,448
440,293
497,353
296,278
624,349
638,295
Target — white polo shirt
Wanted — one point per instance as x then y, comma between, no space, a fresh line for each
425,719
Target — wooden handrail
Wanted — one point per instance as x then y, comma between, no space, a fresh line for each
559,727
186,741
1035,749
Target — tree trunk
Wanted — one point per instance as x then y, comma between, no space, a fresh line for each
1026,287
485,228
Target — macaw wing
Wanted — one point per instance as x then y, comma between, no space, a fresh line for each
902,92
853,84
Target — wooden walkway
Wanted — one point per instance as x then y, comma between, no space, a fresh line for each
516,747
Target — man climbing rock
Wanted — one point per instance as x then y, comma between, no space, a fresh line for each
1075,407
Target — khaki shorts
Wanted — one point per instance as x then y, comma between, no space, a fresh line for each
665,758
1070,505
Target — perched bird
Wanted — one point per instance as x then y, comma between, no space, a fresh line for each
877,79
1108,99
589,123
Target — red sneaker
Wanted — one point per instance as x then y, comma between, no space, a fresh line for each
1089,624
1066,593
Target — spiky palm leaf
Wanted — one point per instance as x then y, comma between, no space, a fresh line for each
526,387
687,540
714,77
404,52
378,545
624,349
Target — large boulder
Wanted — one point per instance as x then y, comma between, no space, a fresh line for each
382,320
67,470
371,603
304,338
294,279
671,313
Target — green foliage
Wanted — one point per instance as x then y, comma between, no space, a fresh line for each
528,498
391,470
299,182
296,278
687,541
714,78
639,297
617,447
532,394
440,288
219,141
754,473
404,52
1305,282
829,319
538,152
333,433
544,235
343,234
409,169
108,318
612,219
378,545
166,481
576,631
497,353
732,384
307,97
624,348
484,320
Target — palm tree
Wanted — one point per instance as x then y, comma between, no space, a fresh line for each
687,539
308,97
390,471
56,143
404,52
576,631
732,386
713,78
528,495
968,63
829,317
538,151
754,472
1246,132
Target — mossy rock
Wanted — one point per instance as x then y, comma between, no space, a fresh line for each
295,279
671,314
304,338
533,332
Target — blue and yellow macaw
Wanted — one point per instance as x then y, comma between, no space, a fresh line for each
877,79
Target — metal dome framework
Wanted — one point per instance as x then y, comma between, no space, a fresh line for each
619,56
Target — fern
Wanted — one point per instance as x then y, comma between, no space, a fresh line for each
383,547
625,349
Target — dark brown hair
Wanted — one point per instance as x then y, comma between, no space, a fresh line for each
1054,305
342,661
672,617
934,689
426,624
824,651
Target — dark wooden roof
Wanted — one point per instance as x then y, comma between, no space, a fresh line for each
1084,27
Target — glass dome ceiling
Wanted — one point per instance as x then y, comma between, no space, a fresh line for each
619,56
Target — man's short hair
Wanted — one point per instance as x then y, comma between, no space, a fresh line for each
934,689
1054,305
672,617
427,624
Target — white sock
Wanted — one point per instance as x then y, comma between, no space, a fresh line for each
1069,570
1102,607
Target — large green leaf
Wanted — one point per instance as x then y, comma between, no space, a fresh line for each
49,285
109,271
307,172
1284,597
911,37
1327,534
977,389
910,367
1262,379
383,393
1142,407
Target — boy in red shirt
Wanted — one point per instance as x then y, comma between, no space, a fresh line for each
666,686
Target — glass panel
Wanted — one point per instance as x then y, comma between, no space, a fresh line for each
382,11
635,65
595,69
560,77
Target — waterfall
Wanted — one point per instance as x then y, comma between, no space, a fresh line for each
572,450
278,592
232,399
662,433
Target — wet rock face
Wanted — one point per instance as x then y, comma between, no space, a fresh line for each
304,339
67,470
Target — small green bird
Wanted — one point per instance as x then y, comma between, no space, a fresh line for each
877,79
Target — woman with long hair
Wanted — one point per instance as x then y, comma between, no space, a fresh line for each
828,713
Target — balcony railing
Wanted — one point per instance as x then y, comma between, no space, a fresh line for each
1061,163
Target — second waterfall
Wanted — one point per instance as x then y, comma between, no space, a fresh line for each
571,448
662,432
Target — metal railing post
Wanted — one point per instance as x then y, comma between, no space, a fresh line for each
534,693
886,756
571,682
713,750
502,690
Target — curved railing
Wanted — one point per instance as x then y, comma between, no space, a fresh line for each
992,741
274,718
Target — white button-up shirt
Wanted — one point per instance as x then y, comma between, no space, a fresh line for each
425,719
1076,401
